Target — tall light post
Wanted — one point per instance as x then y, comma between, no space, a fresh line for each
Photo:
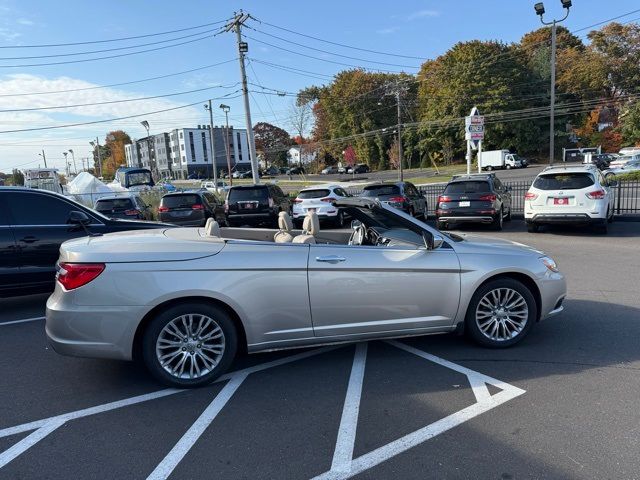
75,169
225,109
44,157
207,106
96,145
539,8
66,164
152,163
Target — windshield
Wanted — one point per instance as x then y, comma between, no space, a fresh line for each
314,193
564,181
178,201
377,190
467,187
248,194
115,204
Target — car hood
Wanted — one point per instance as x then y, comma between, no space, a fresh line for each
159,245
477,244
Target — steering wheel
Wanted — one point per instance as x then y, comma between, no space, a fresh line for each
357,237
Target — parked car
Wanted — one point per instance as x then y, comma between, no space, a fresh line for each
600,160
167,185
128,206
359,168
255,205
220,188
401,195
191,208
415,281
329,170
342,169
622,160
577,195
296,171
475,198
631,166
272,171
320,199
33,225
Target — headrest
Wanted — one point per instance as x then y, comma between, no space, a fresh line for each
311,224
212,229
284,222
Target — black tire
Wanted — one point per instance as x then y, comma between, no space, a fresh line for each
412,212
508,167
610,217
471,325
156,326
498,221
532,228
603,228
339,220
442,225
508,217
489,168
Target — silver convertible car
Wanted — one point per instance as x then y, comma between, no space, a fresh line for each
186,301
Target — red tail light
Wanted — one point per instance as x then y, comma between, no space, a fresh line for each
488,198
444,198
328,199
596,195
397,199
132,212
163,209
530,196
75,275
197,206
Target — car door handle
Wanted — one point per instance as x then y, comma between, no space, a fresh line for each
330,259
29,239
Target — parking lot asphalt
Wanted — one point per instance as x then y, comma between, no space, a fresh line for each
561,404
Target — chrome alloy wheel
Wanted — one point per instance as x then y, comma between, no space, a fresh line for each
502,314
190,346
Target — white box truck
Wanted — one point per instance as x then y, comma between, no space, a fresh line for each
493,159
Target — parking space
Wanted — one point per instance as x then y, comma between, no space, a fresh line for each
559,405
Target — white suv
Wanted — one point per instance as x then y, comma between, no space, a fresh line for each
321,200
569,195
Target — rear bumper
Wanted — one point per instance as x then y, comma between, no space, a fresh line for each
251,217
466,218
323,213
565,218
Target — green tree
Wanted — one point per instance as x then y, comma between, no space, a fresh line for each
272,143
630,124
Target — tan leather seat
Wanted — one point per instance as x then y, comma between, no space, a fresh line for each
285,224
211,228
310,228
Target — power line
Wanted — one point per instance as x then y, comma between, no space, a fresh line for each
342,44
119,84
110,102
66,62
115,39
118,118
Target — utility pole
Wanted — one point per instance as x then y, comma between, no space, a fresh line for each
44,157
66,163
213,146
99,158
236,24
73,156
398,100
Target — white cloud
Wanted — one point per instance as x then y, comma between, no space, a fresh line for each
387,31
25,21
422,14
9,35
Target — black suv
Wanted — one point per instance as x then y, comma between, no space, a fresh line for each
191,208
33,224
256,205
401,195
480,198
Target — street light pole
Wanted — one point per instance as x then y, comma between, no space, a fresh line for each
539,8
66,164
400,171
75,169
213,145
225,109
44,157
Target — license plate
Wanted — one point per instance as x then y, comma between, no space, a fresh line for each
248,206
185,213
561,201
464,204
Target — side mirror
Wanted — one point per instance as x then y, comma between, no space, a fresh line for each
355,224
431,242
77,217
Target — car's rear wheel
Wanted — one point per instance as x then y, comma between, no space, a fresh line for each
532,228
501,313
189,345
339,220
441,225
508,167
508,217
498,221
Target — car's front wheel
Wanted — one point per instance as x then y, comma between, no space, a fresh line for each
189,345
501,313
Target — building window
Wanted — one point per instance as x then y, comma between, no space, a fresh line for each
204,146
181,135
193,149
182,147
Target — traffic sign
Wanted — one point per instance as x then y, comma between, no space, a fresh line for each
474,120
474,126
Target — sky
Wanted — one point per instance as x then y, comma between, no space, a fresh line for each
408,31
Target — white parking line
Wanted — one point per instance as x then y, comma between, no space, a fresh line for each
177,453
29,441
343,453
25,320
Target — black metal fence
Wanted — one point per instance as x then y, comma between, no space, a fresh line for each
627,195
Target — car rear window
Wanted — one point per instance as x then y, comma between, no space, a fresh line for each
314,193
564,181
468,187
116,204
376,190
248,194
177,201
